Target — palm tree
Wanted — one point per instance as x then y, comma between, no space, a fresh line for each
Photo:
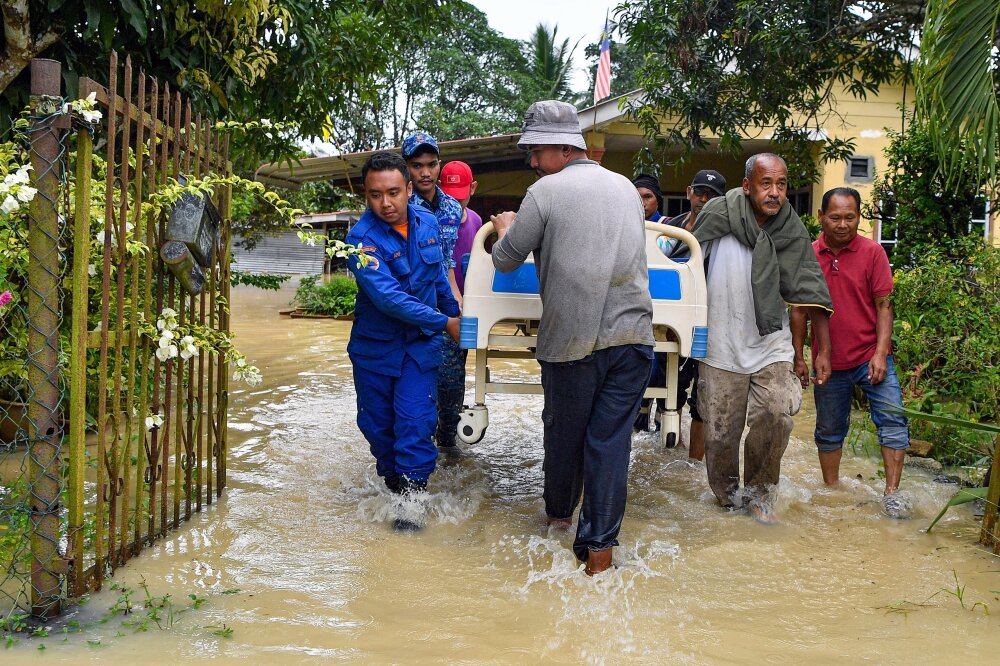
958,84
551,62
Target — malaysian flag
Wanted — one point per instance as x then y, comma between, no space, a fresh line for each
602,84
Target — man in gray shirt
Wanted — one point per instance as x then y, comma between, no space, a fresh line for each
585,226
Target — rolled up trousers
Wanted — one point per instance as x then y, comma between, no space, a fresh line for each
590,405
765,401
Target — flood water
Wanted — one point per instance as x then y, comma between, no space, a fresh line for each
299,559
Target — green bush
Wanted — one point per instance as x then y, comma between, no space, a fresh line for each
333,297
946,344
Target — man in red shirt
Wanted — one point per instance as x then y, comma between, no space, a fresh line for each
860,280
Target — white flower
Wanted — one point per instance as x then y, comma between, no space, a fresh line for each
241,363
92,97
153,421
9,205
265,122
91,270
26,194
166,353
165,337
20,176
102,237
188,348
168,313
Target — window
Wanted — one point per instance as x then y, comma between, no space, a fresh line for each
860,169
675,204
980,222
886,232
801,201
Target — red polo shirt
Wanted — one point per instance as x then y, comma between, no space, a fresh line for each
857,275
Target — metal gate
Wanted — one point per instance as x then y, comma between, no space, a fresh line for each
112,423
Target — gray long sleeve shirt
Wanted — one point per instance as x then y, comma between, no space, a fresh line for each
585,225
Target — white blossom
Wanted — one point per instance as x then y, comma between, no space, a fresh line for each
9,205
153,421
188,347
166,353
91,270
20,176
26,193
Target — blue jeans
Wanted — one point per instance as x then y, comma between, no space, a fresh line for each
833,407
590,405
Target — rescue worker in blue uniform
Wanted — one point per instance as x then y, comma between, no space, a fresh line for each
423,157
404,304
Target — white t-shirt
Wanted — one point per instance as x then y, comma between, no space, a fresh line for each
733,341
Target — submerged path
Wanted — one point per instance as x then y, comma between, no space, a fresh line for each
299,560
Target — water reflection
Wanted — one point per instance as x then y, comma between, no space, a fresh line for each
299,560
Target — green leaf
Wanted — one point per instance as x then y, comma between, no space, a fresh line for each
943,420
136,18
963,496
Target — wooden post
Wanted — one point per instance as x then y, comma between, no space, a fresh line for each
78,357
988,536
44,315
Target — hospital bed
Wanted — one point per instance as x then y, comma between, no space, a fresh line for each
511,300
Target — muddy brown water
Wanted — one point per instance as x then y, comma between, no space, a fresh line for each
299,560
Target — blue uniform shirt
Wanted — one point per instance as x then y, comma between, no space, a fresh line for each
404,298
448,212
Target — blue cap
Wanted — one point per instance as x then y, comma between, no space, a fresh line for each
414,142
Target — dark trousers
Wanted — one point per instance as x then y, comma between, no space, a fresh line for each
450,390
590,405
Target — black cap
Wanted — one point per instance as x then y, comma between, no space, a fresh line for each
711,179
652,184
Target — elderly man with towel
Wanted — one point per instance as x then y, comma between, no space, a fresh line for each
760,261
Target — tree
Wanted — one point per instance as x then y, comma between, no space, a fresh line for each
284,60
551,63
914,202
958,91
720,66
466,80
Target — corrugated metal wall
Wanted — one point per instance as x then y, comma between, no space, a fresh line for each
283,253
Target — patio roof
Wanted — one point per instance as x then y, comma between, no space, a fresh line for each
483,154
492,153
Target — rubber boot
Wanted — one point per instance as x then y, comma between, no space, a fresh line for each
407,488
393,483
598,561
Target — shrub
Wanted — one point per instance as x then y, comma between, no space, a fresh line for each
333,297
946,343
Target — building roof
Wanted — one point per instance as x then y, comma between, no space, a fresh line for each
484,154
492,153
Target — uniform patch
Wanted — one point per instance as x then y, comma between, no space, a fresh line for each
373,263
396,255
369,248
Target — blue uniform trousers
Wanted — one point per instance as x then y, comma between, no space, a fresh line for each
590,405
450,390
397,416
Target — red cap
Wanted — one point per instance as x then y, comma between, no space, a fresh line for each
456,179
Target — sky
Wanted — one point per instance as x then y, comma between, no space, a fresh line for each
575,19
